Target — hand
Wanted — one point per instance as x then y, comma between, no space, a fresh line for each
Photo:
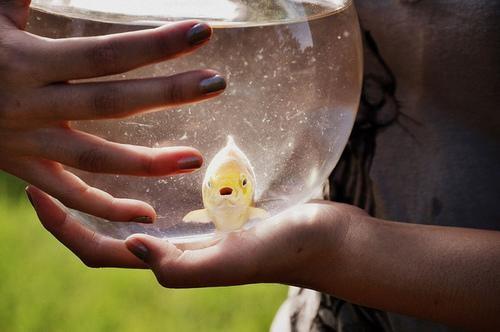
289,249
446,274
37,101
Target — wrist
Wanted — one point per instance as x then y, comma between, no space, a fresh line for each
327,231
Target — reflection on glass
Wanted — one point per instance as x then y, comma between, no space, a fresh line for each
294,74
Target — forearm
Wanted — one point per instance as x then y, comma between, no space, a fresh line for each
447,274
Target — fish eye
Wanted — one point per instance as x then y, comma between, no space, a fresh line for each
244,181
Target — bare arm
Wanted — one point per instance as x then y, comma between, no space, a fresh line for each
446,274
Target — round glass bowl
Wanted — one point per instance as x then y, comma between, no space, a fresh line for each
294,71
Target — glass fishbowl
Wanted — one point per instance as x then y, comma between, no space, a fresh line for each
294,73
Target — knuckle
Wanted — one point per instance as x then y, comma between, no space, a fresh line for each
5,47
164,280
51,166
10,109
92,160
147,164
105,103
19,55
157,45
91,262
164,270
42,141
104,57
162,45
174,92
12,63
91,258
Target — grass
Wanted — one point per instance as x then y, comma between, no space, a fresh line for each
43,287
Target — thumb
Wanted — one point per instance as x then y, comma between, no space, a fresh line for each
219,265
17,11
162,257
153,251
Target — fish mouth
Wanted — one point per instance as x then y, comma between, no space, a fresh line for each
226,191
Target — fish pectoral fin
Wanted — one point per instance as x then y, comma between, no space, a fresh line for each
256,213
200,216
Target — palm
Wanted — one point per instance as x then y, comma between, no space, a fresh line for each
274,251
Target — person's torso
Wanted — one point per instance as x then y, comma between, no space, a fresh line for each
427,140
439,162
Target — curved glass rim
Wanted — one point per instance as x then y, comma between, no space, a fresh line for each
157,20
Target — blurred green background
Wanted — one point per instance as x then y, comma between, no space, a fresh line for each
43,287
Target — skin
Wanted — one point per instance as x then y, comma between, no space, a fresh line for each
37,101
446,274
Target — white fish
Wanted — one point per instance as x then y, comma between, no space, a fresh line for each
228,191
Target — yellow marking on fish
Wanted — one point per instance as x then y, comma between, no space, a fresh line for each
228,191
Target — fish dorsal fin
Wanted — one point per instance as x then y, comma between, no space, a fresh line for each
230,153
230,141
231,150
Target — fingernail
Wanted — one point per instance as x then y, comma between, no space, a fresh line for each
213,84
189,163
199,33
29,196
143,220
138,249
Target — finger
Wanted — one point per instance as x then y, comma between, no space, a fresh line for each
219,265
271,252
77,58
76,194
93,249
123,98
94,154
16,11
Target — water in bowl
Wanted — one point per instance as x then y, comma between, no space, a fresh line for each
294,79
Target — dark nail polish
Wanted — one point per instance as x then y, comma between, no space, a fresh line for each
143,220
138,249
213,84
29,196
199,33
189,163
